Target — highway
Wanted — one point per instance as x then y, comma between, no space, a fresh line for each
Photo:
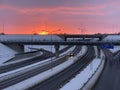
30,73
46,55
110,78
56,81
6,68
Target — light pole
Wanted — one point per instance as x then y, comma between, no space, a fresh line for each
51,50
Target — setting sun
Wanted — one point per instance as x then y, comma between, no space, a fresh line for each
43,33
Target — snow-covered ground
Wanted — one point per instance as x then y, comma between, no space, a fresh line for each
116,48
42,76
6,53
112,38
16,72
82,78
74,84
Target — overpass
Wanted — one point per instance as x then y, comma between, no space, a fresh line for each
68,36
54,40
18,41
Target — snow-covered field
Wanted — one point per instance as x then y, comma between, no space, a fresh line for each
6,53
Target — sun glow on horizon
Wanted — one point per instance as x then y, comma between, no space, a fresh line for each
44,32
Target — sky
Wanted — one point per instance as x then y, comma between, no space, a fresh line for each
59,16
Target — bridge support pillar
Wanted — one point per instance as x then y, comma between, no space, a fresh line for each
56,50
83,38
98,52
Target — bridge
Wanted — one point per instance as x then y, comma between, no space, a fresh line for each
17,42
68,36
55,40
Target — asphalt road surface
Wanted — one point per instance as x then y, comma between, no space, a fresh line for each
110,78
30,73
46,55
56,81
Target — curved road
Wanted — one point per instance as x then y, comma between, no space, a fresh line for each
61,78
46,55
30,73
110,78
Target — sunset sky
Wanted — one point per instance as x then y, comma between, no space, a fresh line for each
59,16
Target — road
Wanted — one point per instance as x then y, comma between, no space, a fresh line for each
110,78
46,55
56,81
30,73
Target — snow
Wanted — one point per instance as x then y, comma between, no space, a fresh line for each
42,76
116,48
13,73
93,80
6,53
112,38
26,38
16,72
83,77
80,79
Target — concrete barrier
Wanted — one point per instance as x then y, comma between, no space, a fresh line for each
91,82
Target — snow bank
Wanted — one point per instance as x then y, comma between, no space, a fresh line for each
16,72
112,38
6,53
42,76
79,80
83,77
94,78
116,48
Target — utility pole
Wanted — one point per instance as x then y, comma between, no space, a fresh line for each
3,28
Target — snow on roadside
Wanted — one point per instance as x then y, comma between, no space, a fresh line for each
19,71
116,48
13,73
42,76
80,79
112,38
83,77
6,53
